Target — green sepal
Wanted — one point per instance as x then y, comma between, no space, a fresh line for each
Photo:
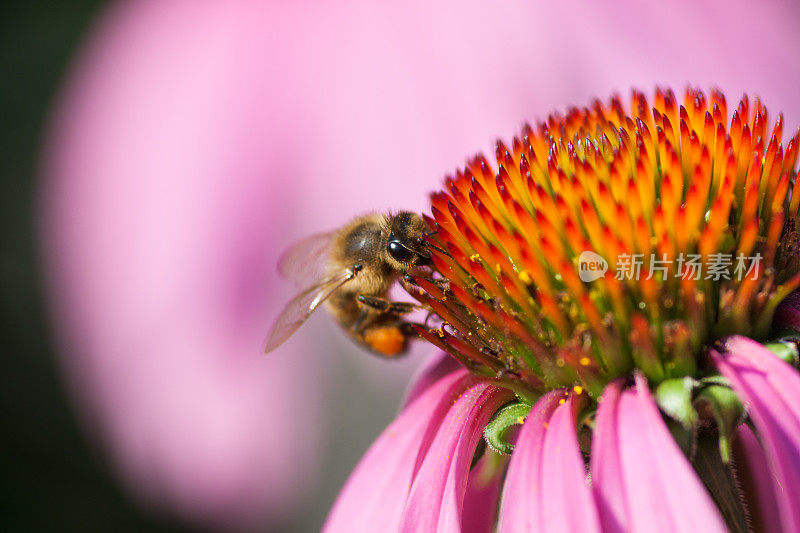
786,350
715,380
497,429
674,397
727,411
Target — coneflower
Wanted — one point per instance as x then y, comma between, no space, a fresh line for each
614,286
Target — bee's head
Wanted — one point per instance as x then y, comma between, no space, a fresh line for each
406,244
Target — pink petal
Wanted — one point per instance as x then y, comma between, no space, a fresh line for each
545,488
432,370
480,500
755,478
374,495
770,391
437,494
642,480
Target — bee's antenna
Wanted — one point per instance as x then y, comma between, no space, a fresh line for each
437,248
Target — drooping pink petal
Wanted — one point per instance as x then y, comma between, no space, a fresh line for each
435,367
755,479
374,495
437,493
642,480
545,488
770,391
522,488
481,496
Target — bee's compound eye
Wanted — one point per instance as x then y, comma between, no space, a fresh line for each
399,252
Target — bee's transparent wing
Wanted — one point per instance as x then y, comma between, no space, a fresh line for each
304,262
300,308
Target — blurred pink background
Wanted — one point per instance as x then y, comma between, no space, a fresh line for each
194,141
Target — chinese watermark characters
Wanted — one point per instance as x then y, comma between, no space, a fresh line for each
715,267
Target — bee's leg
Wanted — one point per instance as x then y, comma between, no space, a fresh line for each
408,328
428,317
412,288
383,305
390,339
408,281
359,323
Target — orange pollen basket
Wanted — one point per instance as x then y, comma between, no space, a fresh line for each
608,239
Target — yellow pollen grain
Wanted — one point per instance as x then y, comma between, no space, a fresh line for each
475,257
520,420
497,267
561,401
585,361
578,389
560,362
525,277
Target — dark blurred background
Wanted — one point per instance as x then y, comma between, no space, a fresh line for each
51,478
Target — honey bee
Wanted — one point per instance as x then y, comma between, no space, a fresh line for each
351,270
